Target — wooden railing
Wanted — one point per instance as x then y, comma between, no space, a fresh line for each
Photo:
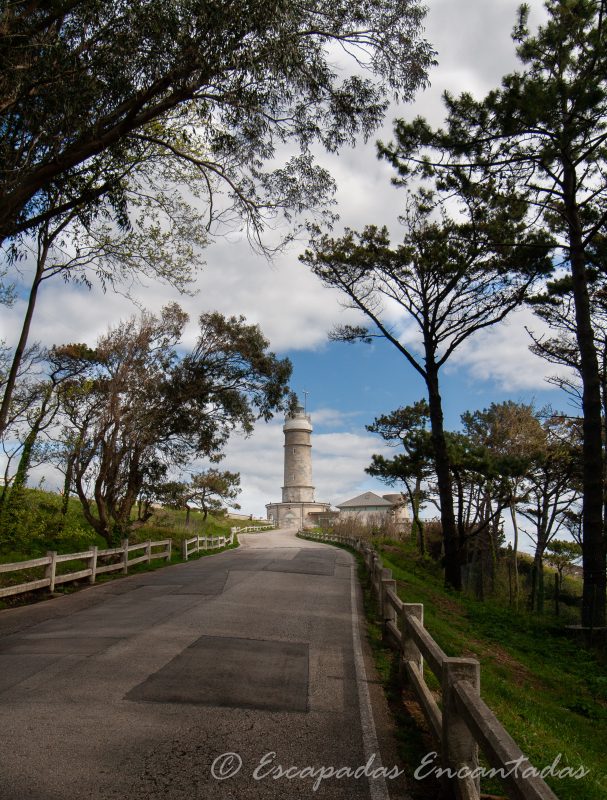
93,565
253,528
197,543
463,722
94,558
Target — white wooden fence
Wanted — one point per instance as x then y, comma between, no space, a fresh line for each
464,721
197,543
96,567
93,566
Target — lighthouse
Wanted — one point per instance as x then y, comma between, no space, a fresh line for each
298,458
298,507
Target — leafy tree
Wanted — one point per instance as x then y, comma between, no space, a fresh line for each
86,84
450,278
208,490
560,348
212,489
550,494
160,237
543,134
513,435
408,427
142,408
562,555
33,413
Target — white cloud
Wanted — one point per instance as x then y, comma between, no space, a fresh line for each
286,299
333,417
502,354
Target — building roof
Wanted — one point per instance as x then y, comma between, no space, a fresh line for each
366,500
395,499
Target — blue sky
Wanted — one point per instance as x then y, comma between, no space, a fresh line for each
367,380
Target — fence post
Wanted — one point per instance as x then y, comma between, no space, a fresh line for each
411,651
169,551
51,569
125,556
459,747
148,550
388,610
377,572
184,549
93,564
198,543
372,559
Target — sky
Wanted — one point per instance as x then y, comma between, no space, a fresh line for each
348,385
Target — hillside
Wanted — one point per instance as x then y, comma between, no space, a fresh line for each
548,690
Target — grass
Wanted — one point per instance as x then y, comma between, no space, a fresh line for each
547,689
42,518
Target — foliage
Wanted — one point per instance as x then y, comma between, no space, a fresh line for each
543,136
207,490
39,526
88,85
160,236
141,408
450,278
407,426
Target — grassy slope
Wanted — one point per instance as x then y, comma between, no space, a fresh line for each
548,691
41,517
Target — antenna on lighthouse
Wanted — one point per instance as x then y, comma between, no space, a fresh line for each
305,394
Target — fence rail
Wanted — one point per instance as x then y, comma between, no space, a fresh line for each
94,567
197,543
94,558
463,723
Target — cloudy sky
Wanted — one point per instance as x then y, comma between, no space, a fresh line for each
348,385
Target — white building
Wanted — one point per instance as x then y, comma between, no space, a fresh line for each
369,508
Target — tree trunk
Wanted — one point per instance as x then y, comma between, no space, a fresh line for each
452,562
11,379
67,485
593,542
26,454
418,525
515,552
533,592
536,600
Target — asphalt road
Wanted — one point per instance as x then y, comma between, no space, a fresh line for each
135,689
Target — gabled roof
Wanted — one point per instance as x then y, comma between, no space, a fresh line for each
364,500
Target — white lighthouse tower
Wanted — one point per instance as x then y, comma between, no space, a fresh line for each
298,503
298,458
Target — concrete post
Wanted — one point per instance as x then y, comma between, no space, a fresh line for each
184,549
411,651
169,551
148,550
93,564
459,748
51,569
125,556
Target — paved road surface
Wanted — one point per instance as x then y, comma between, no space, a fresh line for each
133,689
